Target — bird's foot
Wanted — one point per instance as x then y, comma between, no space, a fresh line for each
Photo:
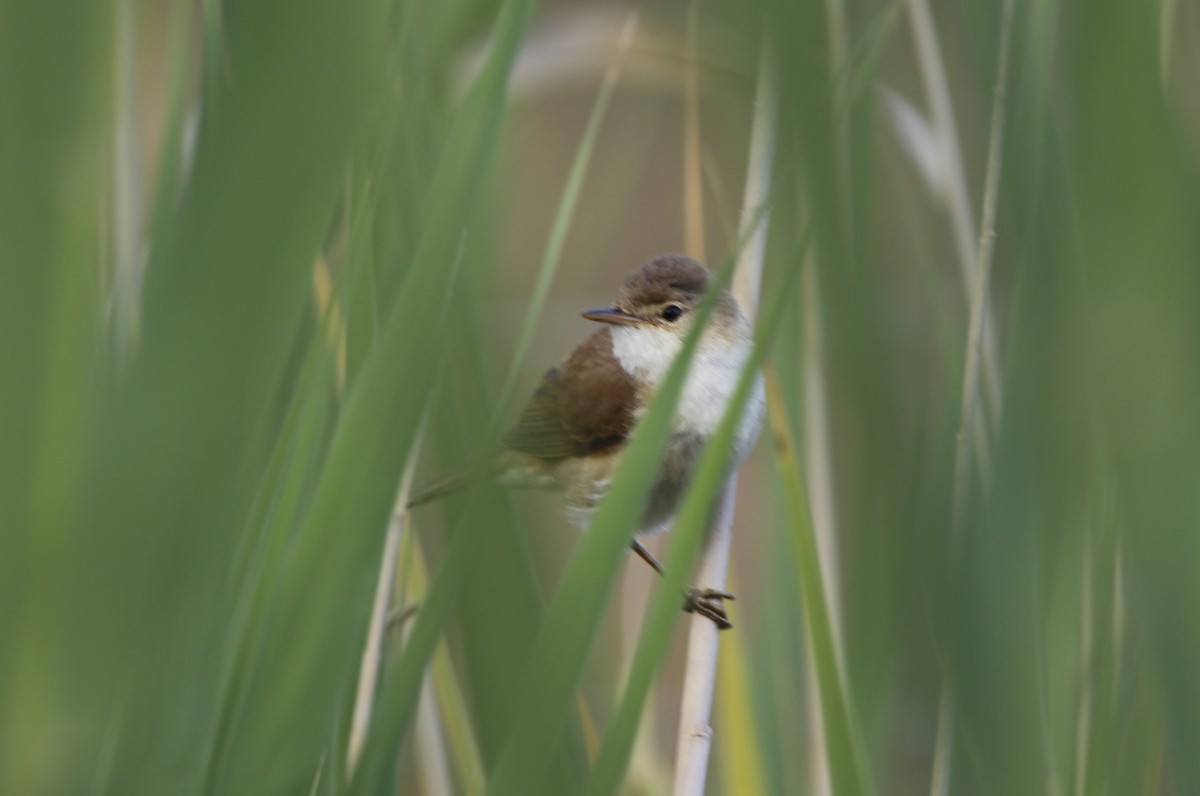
707,602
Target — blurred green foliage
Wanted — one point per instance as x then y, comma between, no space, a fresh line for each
201,438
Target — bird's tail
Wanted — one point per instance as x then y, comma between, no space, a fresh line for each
509,469
439,488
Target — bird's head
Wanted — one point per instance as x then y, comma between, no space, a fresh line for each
662,294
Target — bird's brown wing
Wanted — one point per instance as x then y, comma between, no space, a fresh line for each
583,406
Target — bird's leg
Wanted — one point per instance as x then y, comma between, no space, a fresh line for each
647,556
706,602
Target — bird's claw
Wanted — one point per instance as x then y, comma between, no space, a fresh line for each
707,602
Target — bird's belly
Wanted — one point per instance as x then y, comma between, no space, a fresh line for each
585,481
679,464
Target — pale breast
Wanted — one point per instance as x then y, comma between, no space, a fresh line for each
647,354
711,382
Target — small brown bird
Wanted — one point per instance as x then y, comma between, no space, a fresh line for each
573,430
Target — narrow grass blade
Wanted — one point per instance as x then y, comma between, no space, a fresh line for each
847,762
55,68
742,752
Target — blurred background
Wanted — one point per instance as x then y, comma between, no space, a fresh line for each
261,259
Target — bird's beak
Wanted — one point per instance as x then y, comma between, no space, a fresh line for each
612,315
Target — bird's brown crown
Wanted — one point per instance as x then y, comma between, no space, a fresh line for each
665,278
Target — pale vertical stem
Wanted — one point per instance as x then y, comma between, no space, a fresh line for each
937,93
127,187
972,375
693,192
695,734
1083,713
1053,773
818,455
980,292
435,768
955,195
1166,40
818,459
1118,616
368,671
747,279
835,16
820,778
943,748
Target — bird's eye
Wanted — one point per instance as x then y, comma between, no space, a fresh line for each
671,312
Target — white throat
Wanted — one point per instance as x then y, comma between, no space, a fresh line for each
646,353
